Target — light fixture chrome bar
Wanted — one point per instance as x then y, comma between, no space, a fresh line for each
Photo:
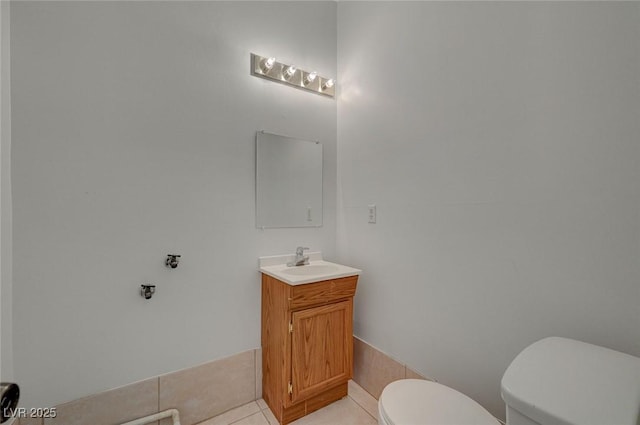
270,69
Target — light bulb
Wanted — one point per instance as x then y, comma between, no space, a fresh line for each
328,84
267,64
288,73
310,78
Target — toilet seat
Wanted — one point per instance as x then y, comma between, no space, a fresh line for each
420,402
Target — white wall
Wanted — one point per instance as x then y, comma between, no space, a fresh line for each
134,137
499,142
6,353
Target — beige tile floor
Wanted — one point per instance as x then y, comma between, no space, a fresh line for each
359,408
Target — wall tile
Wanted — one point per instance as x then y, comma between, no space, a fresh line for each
111,407
258,373
204,391
234,415
363,399
29,421
412,374
372,369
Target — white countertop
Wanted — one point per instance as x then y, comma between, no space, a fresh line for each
317,269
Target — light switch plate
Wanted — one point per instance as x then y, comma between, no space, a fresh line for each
372,213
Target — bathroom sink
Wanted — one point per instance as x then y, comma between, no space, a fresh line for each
317,270
310,270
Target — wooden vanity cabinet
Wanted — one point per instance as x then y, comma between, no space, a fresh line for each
307,344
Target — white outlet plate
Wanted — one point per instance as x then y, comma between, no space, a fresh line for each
372,213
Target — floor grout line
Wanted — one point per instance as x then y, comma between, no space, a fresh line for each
243,418
262,411
366,391
362,407
237,420
259,410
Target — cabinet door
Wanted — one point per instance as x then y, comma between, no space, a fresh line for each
321,349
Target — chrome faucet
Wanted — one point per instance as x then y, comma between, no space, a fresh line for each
300,259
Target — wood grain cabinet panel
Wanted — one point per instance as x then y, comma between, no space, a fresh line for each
307,344
323,292
320,349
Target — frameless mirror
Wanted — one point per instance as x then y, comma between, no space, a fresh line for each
288,181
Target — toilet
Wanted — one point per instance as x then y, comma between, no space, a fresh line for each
420,402
555,381
560,381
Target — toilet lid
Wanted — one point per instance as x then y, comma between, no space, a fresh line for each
420,402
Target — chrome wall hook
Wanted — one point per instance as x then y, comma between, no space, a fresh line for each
172,260
147,291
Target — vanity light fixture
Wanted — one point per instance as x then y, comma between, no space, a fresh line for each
309,78
267,63
289,72
268,68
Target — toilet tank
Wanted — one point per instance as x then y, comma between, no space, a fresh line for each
559,381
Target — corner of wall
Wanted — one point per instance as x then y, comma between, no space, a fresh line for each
6,353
